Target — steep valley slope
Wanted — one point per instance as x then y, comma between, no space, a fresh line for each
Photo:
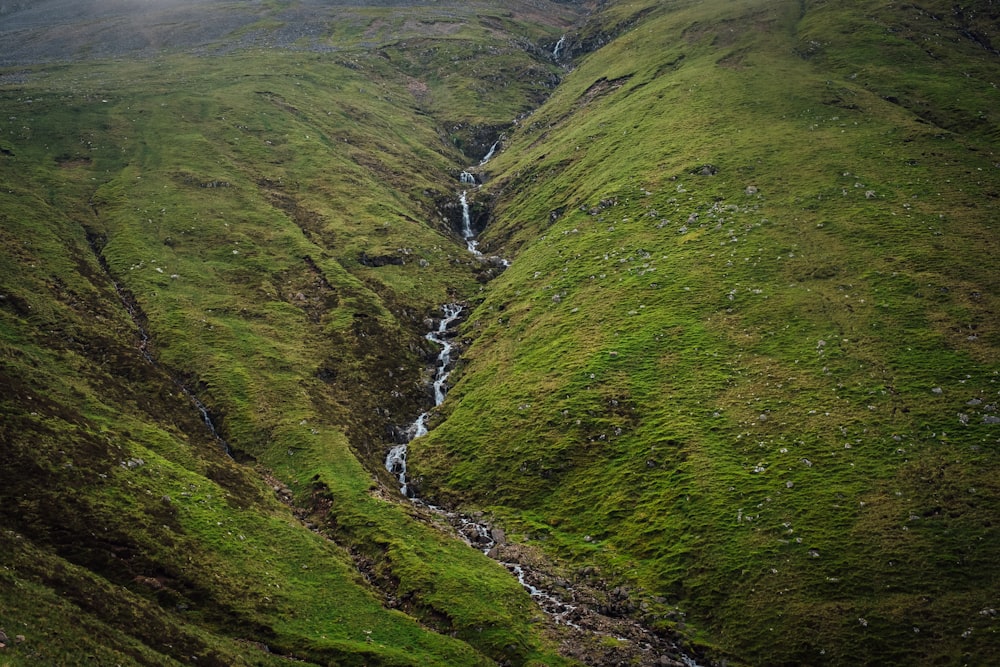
736,381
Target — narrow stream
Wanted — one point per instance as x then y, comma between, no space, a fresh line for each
559,46
491,541
395,460
476,534
489,155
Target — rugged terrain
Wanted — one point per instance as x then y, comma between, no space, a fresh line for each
735,394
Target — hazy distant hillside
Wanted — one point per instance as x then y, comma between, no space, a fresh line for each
722,382
53,30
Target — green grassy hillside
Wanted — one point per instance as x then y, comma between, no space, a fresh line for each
262,233
746,357
739,383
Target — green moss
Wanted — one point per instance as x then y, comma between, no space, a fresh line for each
740,312
743,361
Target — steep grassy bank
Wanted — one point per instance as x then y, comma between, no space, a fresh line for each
265,234
741,377
745,361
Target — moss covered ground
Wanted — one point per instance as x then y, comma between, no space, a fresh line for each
262,234
745,358
743,366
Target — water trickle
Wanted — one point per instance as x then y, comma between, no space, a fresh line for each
395,460
467,233
559,46
489,154
206,418
467,178
480,535
137,318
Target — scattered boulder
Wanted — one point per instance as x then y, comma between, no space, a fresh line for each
149,582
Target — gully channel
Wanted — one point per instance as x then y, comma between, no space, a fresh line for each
586,609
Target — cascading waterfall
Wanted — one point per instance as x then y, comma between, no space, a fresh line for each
477,534
395,460
489,154
559,46
468,178
467,233
135,315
